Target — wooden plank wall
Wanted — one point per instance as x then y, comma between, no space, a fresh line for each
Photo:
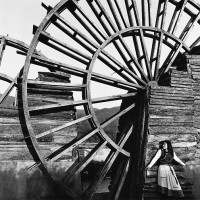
171,116
15,157
193,62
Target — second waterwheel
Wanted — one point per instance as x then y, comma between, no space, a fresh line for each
101,54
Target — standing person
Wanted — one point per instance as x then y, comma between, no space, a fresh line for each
167,181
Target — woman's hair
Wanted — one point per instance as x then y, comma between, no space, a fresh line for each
169,146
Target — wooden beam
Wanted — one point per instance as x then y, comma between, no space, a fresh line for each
71,51
54,65
187,30
112,98
135,39
10,87
114,13
2,48
76,168
149,6
40,135
91,45
106,166
143,7
143,45
55,85
121,14
123,168
160,14
119,49
184,2
54,106
109,59
117,115
158,56
90,21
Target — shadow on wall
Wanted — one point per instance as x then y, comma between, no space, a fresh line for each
18,183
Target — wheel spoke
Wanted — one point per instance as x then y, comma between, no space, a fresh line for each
144,49
53,65
133,11
125,137
78,167
2,47
114,13
143,12
63,126
10,87
55,85
55,155
158,56
112,98
115,82
119,180
135,39
141,35
58,105
195,43
89,42
77,36
96,28
149,4
133,59
188,28
6,78
100,16
179,16
95,76
108,59
122,179
117,115
77,55
171,57
78,103
160,14
88,193
172,21
116,180
121,15
119,49
74,143
107,164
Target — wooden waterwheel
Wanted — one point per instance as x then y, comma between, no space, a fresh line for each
113,50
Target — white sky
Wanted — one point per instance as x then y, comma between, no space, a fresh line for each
18,16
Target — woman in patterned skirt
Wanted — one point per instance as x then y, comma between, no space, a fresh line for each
167,181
